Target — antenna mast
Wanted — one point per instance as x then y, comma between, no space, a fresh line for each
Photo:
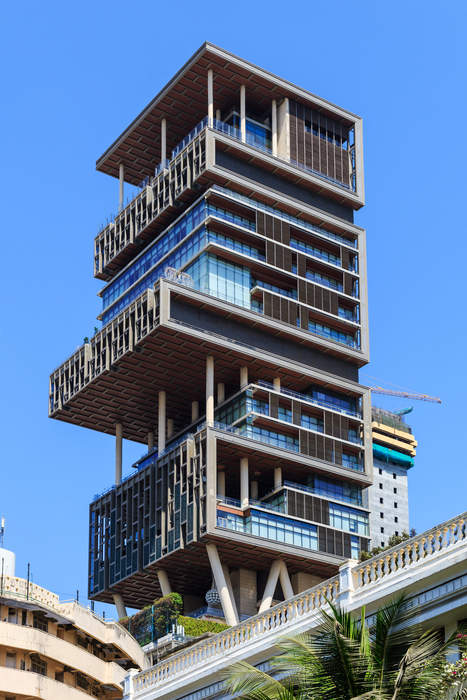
2,531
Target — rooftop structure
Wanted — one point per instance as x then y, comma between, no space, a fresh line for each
53,649
234,323
394,449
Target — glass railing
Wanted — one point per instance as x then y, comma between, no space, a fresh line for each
189,137
272,527
236,503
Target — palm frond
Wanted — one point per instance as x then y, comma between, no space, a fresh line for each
245,681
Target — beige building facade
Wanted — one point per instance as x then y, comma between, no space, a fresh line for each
58,650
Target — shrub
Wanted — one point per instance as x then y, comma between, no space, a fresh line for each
195,628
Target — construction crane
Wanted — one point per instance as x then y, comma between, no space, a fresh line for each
404,394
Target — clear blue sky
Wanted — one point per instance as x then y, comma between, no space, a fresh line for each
75,74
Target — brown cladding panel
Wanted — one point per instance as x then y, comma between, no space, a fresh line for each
260,226
273,405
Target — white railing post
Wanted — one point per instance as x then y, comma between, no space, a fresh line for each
129,684
346,582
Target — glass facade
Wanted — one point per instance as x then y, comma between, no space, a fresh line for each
271,527
329,488
222,279
348,519
333,334
313,250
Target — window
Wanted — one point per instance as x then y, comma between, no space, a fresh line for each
59,676
381,486
395,489
396,519
381,500
10,661
395,504
38,666
397,533
39,622
382,530
24,617
382,544
82,681
380,470
12,616
348,519
394,476
381,515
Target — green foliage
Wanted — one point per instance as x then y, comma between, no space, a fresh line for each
345,660
393,541
154,620
194,627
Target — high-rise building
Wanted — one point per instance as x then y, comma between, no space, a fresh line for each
234,323
54,649
394,449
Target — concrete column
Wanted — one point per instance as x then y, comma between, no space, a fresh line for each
161,421
150,440
244,482
286,585
254,490
118,452
271,584
243,377
277,477
210,390
163,140
218,115
170,427
210,97
220,482
220,392
242,113
274,127
194,411
120,605
164,582
227,600
121,177
277,383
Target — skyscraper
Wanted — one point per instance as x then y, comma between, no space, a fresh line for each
234,323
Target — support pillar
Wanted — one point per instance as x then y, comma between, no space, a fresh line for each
243,377
161,421
218,115
121,184
227,600
271,584
244,482
118,453
170,427
277,477
194,411
163,140
286,585
242,113
277,383
210,390
220,482
164,582
274,127
120,605
220,392
210,97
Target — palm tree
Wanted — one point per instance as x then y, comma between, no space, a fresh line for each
346,660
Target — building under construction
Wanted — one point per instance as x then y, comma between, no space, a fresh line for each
234,323
394,449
